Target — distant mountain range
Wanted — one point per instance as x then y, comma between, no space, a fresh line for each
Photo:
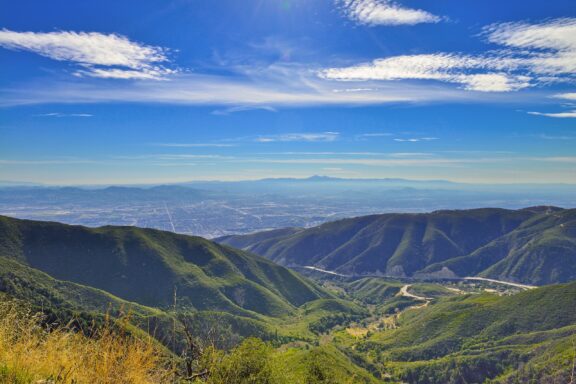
534,245
307,180
311,179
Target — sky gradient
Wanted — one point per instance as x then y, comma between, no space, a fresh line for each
166,91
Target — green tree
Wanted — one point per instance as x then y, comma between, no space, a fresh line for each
249,363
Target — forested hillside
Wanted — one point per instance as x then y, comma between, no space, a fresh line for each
147,266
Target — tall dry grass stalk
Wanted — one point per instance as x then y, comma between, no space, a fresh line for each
31,354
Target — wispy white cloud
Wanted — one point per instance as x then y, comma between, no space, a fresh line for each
531,54
321,136
59,114
414,139
424,162
152,73
300,153
384,12
168,156
411,154
477,152
275,86
545,136
48,162
565,96
100,55
493,82
446,67
227,111
559,115
549,48
193,145
375,134
556,159
353,90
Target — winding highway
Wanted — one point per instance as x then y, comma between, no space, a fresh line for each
405,292
325,271
522,286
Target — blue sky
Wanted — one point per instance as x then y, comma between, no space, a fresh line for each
167,91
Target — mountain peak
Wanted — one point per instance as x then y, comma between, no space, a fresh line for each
321,178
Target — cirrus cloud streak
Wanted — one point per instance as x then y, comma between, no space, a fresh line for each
530,54
385,12
99,55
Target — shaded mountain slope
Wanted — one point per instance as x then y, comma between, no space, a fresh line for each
40,290
535,245
145,266
541,251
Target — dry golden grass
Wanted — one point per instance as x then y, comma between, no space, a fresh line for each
357,332
377,324
31,354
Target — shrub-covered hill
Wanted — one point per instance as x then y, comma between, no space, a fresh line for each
533,245
146,266
63,302
477,337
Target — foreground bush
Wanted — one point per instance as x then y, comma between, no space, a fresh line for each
256,362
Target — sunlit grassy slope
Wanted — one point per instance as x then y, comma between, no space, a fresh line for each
476,337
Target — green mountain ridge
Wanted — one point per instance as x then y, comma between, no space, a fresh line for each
147,266
535,245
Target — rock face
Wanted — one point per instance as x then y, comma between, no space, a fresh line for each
534,245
